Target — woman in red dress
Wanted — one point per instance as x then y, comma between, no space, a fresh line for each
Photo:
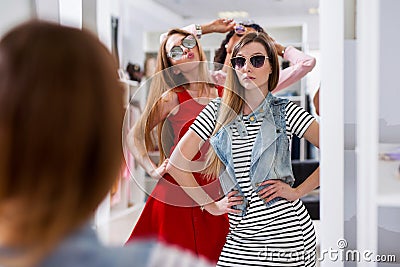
179,91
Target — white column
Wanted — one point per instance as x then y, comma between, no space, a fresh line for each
367,125
332,129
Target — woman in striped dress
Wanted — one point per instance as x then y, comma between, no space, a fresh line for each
250,132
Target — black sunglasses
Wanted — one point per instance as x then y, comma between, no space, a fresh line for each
176,52
256,61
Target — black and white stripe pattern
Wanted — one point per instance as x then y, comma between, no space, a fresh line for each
205,121
281,235
297,120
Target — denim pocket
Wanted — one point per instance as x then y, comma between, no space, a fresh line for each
242,207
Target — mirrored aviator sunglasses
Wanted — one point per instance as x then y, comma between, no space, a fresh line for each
240,29
176,52
256,61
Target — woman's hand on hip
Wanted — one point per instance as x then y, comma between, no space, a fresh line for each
158,172
277,188
225,204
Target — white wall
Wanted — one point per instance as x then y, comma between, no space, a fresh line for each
14,12
389,119
389,85
138,18
48,10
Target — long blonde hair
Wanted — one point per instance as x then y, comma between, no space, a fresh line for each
232,101
60,135
163,84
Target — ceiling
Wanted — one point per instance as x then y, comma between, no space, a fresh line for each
208,9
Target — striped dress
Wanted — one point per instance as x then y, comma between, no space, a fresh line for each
280,235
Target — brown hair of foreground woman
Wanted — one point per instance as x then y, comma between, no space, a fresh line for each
60,135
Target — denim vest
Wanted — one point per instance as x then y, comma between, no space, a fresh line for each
270,156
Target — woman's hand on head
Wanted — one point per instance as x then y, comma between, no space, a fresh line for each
277,188
219,25
225,204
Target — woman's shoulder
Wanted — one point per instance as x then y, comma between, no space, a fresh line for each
83,249
155,254
214,103
290,105
175,256
170,95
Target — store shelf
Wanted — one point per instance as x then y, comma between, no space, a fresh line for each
388,178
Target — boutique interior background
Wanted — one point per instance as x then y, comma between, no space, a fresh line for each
359,87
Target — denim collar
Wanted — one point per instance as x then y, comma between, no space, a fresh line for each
259,112
263,111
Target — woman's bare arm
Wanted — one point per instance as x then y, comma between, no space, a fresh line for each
136,140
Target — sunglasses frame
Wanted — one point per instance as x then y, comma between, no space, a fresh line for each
234,59
176,55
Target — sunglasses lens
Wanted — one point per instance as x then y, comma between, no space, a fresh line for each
176,52
189,41
240,29
238,62
257,61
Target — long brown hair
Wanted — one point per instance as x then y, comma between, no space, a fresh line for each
163,83
60,134
232,101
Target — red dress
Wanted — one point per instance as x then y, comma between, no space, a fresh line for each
170,215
